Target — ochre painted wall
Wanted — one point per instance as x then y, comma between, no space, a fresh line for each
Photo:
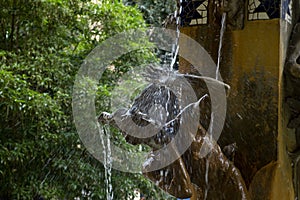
252,64
256,46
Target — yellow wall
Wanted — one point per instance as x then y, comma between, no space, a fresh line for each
259,47
256,46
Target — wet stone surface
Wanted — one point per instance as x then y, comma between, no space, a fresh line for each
191,175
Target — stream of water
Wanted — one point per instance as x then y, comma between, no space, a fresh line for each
105,138
223,27
210,132
107,158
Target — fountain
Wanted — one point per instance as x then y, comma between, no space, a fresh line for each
261,137
185,176
260,60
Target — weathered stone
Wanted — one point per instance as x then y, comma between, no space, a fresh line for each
253,62
186,176
293,61
261,186
235,13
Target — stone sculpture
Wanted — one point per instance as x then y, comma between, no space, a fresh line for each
191,175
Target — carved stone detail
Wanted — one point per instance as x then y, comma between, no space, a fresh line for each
293,61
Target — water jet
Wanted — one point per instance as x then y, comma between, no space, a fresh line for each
260,62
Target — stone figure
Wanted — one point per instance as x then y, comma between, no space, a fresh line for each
292,71
191,175
293,60
235,13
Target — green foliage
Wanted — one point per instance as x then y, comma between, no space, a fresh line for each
42,44
154,11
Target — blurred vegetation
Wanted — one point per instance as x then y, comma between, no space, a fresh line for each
42,44
154,11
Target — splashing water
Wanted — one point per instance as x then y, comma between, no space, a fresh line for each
175,48
223,27
107,160
167,118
